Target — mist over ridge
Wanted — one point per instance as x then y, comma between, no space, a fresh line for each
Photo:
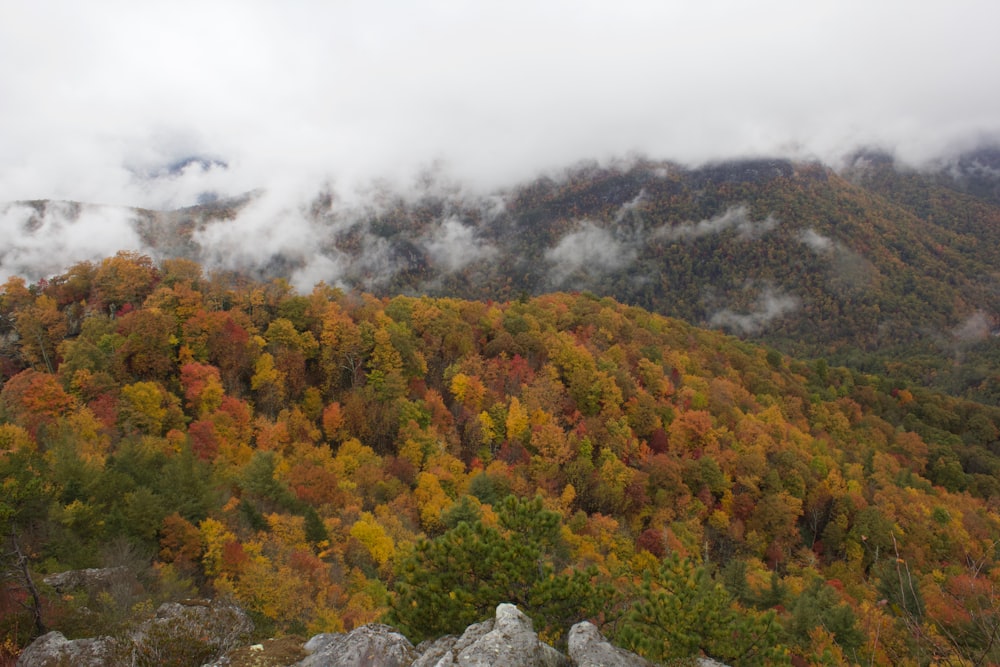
854,262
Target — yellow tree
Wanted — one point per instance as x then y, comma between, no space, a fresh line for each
41,328
517,420
269,384
214,537
385,368
341,351
149,408
431,500
370,533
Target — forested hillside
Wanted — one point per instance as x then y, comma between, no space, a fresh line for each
875,266
331,458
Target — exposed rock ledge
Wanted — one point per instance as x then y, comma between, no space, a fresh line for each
507,640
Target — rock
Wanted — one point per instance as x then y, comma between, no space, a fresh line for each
589,648
269,653
433,652
506,641
443,652
54,650
318,642
191,632
209,632
373,645
119,581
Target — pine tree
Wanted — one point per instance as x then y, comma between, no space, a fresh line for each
682,612
461,576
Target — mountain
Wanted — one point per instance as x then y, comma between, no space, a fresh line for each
875,265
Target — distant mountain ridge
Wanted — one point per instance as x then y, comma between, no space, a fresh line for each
876,266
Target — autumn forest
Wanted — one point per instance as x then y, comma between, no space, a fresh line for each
332,458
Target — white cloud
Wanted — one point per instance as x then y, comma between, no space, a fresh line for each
847,268
453,246
318,268
630,208
977,326
591,249
266,227
816,241
45,240
735,217
772,303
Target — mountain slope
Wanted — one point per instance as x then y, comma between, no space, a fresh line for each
324,458
878,268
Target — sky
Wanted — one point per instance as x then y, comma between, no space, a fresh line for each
99,99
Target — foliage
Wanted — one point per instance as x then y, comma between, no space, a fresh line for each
682,611
461,576
326,459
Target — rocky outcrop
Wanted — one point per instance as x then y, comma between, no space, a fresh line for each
506,640
54,650
92,580
588,648
196,633
192,633
372,645
208,627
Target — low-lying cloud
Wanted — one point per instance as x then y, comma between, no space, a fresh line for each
590,249
848,268
976,327
43,239
772,303
453,246
734,217
817,242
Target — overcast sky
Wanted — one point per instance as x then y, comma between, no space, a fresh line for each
98,98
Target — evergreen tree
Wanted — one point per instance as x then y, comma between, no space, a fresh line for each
459,577
682,612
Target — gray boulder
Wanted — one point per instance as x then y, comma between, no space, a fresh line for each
432,653
589,648
54,650
193,632
509,640
373,645
94,580
444,652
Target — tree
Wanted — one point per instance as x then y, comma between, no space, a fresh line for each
24,503
461,576
41,327
221,339
681,612
268,383
34,401
372,535
147,350
149,408
341,351
819,606
125,280
385,369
